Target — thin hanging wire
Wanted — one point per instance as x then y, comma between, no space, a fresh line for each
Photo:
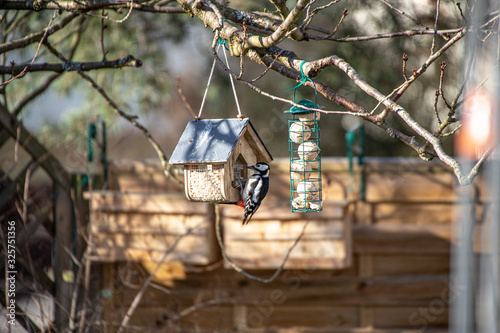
232,84
208,85
210,79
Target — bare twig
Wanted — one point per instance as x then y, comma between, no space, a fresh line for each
50,79
316,10
265,71
146,284
37,92
436,112
344,15
90,245
103,27
132,119
405,61
183,97
193,308
25,41
441,84
82,7
404,14
406,33
239,269
68,66
85,12
417,73
433,45
21,74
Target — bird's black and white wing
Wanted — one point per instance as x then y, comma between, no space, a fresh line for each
255,191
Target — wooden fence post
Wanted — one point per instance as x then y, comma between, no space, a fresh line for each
62,264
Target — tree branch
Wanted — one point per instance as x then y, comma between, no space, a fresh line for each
406,33
398,92
132,119
241,270
128,61
36,37
285,27
77,6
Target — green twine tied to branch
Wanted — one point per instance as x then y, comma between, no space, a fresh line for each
303,80
222,42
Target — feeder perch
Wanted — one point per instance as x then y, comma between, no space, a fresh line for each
215,154
305,158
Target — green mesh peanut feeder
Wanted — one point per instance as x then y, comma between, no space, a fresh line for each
305,158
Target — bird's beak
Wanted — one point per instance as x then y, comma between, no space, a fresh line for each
250,167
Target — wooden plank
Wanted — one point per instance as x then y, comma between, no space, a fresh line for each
409,186
305,249
418,264
282,230
145,203
63,237
139,255
403,213
257,146
339,187
165,274
108,292
301,288
341,330
144,183
312,287
211,317
270,209
264,242
402,239
134,166
139,223
435,315
323,254
142,176
270,314
190,248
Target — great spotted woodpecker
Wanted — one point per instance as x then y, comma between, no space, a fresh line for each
255,190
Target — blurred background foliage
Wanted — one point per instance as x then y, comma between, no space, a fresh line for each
176,45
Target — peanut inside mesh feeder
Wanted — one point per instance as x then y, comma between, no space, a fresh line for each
305,158
215,154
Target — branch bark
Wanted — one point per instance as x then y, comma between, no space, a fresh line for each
128,61
284,28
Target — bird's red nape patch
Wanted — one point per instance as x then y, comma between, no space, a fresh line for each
240,204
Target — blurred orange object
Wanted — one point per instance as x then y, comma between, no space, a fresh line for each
477,132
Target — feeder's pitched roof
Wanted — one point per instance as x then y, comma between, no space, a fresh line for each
210,141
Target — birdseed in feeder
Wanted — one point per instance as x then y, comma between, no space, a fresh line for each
299,132
315,204
308,118
300,171
205,182
307,190
299,203
308,151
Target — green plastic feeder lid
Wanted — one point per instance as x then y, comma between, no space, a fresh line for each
305,102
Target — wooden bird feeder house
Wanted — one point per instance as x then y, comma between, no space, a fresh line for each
215,154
